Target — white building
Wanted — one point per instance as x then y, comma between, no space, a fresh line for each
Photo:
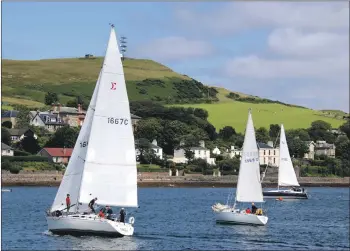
268,155
216,151
6,150
234,152
200,152
158,151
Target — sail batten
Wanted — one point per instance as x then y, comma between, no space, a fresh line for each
286,173
248,185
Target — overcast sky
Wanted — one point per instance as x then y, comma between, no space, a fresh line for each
294,52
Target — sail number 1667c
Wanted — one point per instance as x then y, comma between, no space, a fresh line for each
118,121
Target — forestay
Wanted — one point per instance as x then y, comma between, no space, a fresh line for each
110,172
248,185
286,173
71,180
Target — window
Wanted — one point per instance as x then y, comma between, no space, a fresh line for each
269,153
8,151
274,152
264,152
274,160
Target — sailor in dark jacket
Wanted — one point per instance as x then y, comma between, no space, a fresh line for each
122,215
254,208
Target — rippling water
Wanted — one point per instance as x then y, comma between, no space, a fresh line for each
181,218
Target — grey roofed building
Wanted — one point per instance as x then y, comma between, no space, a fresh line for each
5,147
9,114
263,145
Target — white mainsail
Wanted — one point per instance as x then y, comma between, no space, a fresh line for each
71,180
248,185
110,172
286,173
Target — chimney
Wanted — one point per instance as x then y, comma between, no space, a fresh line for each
201,143
232,148
79,108
154,142
270,143
64,151
53,107
59,107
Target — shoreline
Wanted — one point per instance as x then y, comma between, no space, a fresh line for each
53,179
172,184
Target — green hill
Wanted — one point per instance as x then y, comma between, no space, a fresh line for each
27,82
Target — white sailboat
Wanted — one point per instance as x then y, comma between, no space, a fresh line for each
103,163
286,175
248,185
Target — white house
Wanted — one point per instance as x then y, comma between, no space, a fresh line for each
216,151
268,155
6,150
158,151
311,146
234,152
200,152
49,121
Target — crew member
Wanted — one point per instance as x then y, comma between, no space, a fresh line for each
91,205
68,202
254,208
122,215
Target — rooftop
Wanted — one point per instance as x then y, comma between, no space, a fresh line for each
263,145
59,152
9,114
18,132
5,147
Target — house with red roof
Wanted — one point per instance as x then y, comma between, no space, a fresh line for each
57,155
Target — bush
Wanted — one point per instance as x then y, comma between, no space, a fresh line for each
37,165
26,158
145,169
6,165
15,169
20,153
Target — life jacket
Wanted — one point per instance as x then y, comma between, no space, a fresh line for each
101,214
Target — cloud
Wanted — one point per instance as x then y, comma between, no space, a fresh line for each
238,16
255,67
291,42
306,46
175,48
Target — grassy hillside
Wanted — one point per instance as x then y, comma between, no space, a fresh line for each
235,114
27,82
30,80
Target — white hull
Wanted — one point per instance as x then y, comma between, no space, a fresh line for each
88,225
237,217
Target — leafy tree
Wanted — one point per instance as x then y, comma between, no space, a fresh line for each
22,119
227,132
29,144
297,147
200,113
346,128
50,98
7,124
238,140
320,130
298,133
262,135
149,128
189,155
321,125
274,131
5,136
42,133
75,102
64,137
